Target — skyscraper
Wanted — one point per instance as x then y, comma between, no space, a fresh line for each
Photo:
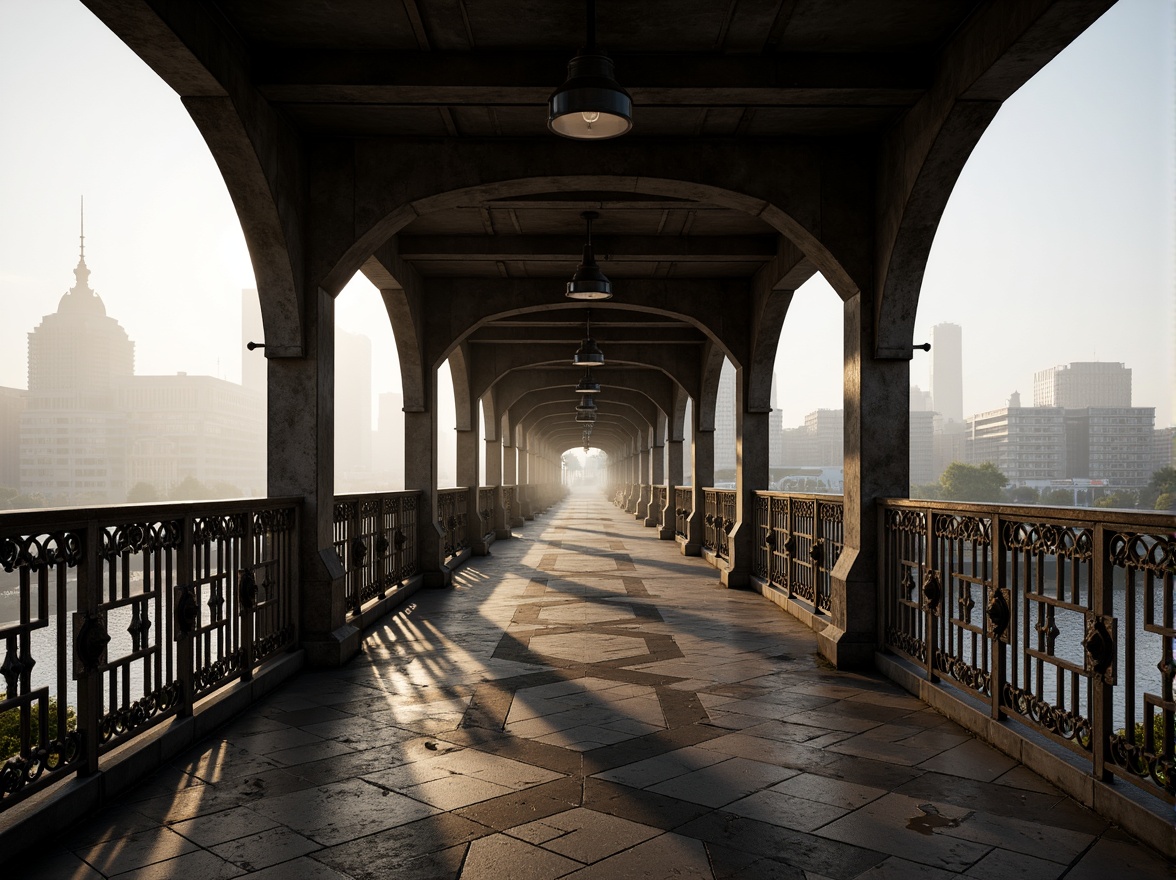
947,372
72,435
1083,384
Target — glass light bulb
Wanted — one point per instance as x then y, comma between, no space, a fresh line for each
590,116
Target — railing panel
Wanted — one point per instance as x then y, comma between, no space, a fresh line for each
111,624
487,499
508,504
683,508
452,517
800,538
1062,618
375,537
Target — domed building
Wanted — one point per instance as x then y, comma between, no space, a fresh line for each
73,434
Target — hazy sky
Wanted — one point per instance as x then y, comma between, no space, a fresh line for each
1059,243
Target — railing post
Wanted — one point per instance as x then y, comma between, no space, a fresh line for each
246,593
998,616
1102,603
184,604
89,584
929,596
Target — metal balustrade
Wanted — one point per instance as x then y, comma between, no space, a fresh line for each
719,519
487,500
1059,618
509,505
375,535
798,542
453,518
115,619
683,508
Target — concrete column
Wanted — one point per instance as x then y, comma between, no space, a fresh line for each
301,461
673,481
468,476
877,465
420,474
524,493
510,477
494,479
641,505
657,466
751,473
702,451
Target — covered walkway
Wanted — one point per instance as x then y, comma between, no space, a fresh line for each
588,702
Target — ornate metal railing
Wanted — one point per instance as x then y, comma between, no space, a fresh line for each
115,619
508,504
683,507
1059,618
452,517
375,536
798,541
719,520
487,500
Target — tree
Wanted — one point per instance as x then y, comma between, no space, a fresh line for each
927,491
142,492
1024,495
1122,498
1058,497
966,482
1162,482
189,489
1167,501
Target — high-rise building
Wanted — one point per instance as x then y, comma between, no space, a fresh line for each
1024,442
922,449
947,372
353,411
725,420
73,437
12,406
921,400
1083,384
388,449
92,429
1115,444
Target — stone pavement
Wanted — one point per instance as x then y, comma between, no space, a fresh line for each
587,703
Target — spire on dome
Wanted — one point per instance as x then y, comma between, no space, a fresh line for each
82,272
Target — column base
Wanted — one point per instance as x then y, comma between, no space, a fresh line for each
666,534
690,548
333,649
734,580
847,650
502,534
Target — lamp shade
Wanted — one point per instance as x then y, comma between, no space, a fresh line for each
589,282
586,404
588,354
588,385
590,105
585,417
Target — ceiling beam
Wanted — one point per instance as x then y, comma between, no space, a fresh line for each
632,248
527,78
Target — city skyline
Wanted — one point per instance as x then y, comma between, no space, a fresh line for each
1068,191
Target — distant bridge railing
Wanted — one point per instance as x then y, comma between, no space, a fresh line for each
375,535
115,619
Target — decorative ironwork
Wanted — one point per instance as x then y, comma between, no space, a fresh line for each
1099,645
932,591
36,552
187,614
999,614
90,641
246,590
126,720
